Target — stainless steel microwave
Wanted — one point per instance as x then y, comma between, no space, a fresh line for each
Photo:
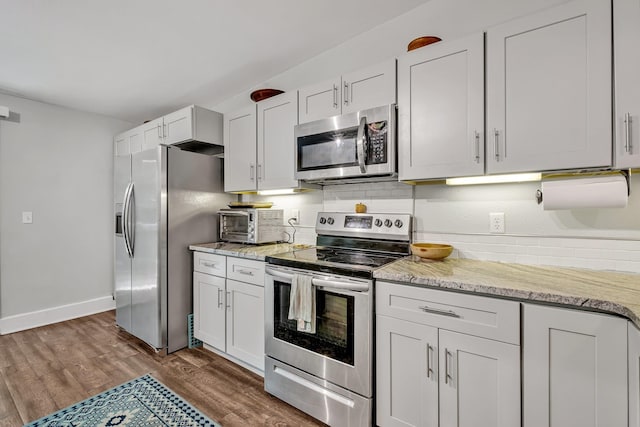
251,225
354,145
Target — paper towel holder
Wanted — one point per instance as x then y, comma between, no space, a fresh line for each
627,176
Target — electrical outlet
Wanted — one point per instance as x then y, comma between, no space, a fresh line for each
27,217
295,214
496,222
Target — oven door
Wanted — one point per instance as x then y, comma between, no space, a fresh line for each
236,226
341,349
352,145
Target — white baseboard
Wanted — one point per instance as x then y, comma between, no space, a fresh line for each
21,322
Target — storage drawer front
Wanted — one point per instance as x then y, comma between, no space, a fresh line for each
480,316
245,270
209,263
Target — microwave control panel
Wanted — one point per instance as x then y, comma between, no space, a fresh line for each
377,137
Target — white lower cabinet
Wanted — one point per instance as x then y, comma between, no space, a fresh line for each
430,376
229,313
574,368
245,322
634,375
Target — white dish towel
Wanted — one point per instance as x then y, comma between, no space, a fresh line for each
302,303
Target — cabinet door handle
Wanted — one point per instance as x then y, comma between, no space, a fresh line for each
159,131
335,96
245,272
496,144
477,138
259,172
219,297
432,310
164,130
251,171
228,299
429,368
447,376
627,133
345,93
210,264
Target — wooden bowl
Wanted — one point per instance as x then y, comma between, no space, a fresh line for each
422,41
433,251
260,94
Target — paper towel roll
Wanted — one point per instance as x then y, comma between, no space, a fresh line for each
608,191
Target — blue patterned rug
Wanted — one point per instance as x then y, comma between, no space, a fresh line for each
140,402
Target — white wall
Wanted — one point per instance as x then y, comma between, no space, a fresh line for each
447,19
607,239
56,163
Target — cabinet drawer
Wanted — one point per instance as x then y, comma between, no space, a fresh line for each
480,316
245,270
209,263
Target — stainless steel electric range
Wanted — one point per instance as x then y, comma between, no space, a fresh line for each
329,373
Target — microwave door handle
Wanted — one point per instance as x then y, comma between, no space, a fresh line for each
360,141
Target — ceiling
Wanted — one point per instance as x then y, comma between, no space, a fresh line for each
136,60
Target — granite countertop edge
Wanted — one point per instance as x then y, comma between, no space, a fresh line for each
240,250
526,291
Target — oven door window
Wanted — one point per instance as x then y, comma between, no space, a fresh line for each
334,324
235,224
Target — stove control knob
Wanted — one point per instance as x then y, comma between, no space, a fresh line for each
378,222
388,223
398,223
323,220
330,221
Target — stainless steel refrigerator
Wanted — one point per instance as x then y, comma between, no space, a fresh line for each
165,200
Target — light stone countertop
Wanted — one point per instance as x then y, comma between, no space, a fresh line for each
257,252
609,292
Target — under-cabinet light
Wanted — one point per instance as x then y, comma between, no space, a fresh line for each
495,179
276,192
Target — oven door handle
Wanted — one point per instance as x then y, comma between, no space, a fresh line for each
335,284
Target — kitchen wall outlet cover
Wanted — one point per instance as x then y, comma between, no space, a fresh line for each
295,215
496,222
27,217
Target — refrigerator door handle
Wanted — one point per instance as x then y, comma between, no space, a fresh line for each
131,227
126,220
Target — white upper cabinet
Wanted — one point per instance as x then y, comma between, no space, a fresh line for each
626,37
240,150
259,152
277,118
574,368
152,134
366,88
549,90
370,87
191,123
320,100
128,142
441,110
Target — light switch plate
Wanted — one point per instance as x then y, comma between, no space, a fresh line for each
27,217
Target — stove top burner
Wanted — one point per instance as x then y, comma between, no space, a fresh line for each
356,263
341,256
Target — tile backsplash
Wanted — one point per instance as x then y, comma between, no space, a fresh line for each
600,239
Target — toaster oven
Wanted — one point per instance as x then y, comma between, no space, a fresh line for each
251,225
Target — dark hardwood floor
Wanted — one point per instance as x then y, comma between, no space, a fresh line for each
51,367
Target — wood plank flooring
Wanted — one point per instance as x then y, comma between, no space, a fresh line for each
46,369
